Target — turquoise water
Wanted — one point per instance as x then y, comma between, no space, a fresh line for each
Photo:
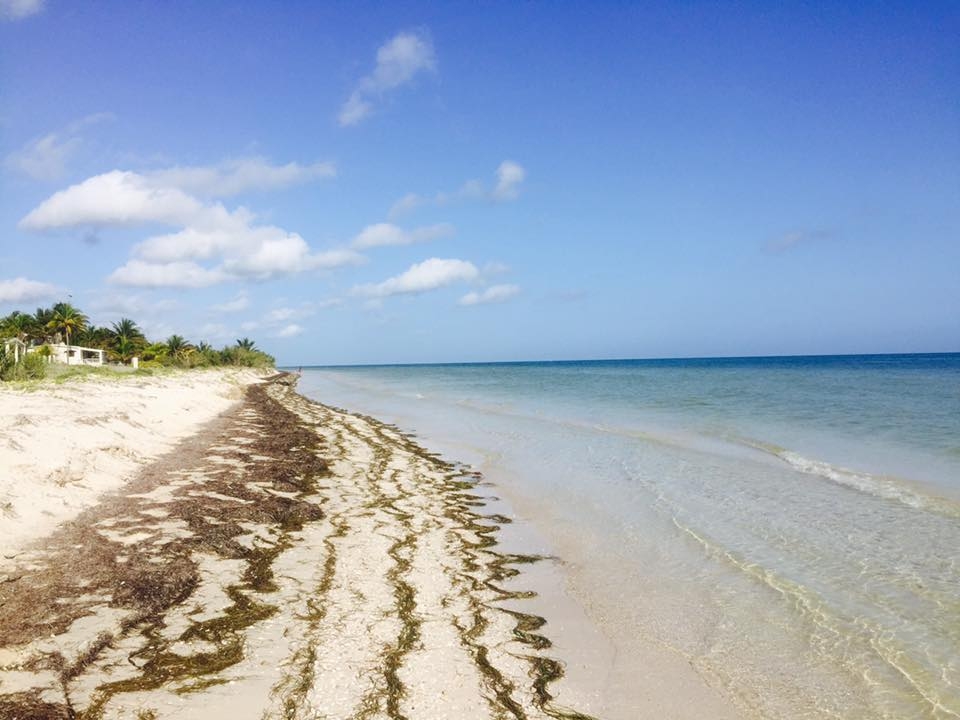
790,525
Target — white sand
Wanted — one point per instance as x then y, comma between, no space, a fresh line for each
339,644
63,446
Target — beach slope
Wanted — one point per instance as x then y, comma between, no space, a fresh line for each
286,560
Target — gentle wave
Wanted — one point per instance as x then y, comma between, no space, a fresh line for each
883,486
859,645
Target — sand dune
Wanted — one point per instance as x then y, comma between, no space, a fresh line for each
62,446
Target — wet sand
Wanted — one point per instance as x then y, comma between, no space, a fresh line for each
289,560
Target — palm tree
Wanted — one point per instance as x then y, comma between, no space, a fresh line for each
96,337
17,324
126,339
67,319
178,348
41,319
125,327
246,344
155,351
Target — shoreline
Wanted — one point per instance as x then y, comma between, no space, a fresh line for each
288,557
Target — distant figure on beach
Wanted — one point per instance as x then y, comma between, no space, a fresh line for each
300,371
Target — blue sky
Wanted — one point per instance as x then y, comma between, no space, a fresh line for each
405,182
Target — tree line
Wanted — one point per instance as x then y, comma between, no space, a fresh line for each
122,340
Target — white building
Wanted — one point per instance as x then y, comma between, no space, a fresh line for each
59,353
76,355
15,347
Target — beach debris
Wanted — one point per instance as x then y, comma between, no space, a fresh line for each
326,565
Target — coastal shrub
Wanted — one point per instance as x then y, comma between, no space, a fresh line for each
30,367
6,362
34,366
243,357
123,341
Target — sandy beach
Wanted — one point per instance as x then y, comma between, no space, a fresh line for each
63,445
286,560
228,549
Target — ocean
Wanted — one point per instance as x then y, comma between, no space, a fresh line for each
789,525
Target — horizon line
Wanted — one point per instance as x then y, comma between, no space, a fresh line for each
621,359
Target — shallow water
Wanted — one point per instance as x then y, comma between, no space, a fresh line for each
790,525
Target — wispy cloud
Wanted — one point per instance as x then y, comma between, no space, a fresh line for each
236,304
398,62
137,273
47,158
383,234
492,269
238,175
282,322
291,330
422,277
492,294
568,296
790,240
281,314
509,176
216,332
237,246
120,304
19,9
44,158
21,289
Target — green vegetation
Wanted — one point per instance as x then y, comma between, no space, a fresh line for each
68,320
122,341
30,367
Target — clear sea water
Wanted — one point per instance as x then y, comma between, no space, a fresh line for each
790,525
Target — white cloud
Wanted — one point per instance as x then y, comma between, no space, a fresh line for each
209,232
137,273
509,177
114,198
163,196
46,158
382,234
233,177
493,294
355,109
114,304
277,252
18,9
280,319
280,315
429,275
238,303
291,330
22,290
408,203
398,62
